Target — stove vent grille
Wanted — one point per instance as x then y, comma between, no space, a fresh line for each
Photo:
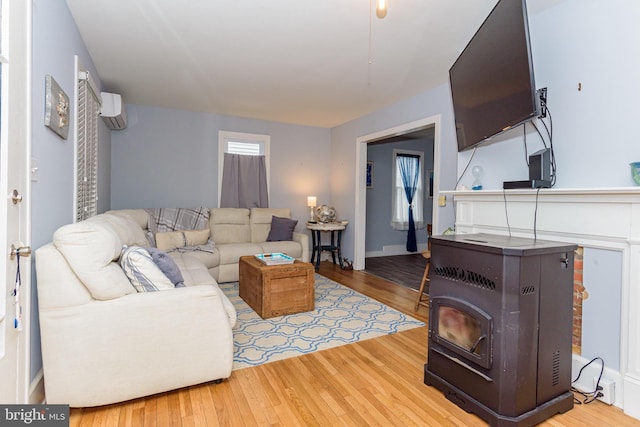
465,276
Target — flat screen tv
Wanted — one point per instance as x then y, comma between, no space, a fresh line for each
492,83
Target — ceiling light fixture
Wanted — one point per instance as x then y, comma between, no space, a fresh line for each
381,8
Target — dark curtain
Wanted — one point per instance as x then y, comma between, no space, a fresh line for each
410,171
244,182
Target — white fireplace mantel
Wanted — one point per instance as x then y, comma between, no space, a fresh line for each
604,218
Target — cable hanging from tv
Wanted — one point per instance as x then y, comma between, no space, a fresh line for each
542,163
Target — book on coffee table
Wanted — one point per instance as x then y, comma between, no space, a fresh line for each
275,258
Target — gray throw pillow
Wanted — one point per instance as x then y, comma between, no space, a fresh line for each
167,266
281,229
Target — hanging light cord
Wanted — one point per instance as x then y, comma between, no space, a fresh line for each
369,54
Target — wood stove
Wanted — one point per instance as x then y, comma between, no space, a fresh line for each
500,324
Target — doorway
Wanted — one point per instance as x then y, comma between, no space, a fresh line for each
386,238
361,170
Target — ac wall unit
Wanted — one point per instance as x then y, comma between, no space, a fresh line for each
112,111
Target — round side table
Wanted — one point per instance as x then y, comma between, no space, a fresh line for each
335,228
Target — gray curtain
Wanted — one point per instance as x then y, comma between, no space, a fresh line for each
244,182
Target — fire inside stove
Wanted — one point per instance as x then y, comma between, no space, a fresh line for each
459,328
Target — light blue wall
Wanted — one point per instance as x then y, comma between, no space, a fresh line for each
343,151
602,274
378,229
593,43
55,42
169,158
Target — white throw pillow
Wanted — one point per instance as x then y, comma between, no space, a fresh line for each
143,273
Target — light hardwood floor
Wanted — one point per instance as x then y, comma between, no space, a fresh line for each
373,382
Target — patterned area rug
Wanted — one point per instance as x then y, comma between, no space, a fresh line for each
341,316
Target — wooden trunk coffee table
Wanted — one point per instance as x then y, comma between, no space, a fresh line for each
276,290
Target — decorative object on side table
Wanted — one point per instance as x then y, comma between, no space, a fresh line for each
635,172
325,214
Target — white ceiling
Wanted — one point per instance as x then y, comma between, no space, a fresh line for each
310,62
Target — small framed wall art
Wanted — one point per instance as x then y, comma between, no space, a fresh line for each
56,108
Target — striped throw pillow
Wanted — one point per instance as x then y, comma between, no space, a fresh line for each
142,271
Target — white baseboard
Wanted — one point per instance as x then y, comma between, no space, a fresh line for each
392,250
585,382
631,396
36,389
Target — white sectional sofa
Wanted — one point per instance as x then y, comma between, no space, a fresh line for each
104,342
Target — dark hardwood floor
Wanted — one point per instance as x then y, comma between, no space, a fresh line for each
405,270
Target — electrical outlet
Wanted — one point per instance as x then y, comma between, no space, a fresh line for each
608,390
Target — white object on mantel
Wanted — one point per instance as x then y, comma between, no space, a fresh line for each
112,111
603,218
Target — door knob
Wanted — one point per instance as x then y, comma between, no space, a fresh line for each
20,250
16,197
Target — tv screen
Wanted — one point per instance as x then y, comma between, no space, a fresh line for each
492,82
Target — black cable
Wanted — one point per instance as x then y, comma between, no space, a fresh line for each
593,395
548,114
549,131
546,127
553,156
458,182
540,134
466,167
582,369
524,137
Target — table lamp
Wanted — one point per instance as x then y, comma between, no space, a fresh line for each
311,203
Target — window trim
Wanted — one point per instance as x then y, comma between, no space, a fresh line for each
88,209
394,168
225,136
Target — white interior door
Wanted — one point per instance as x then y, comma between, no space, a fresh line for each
15,227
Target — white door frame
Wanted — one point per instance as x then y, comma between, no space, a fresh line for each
361,171
15,152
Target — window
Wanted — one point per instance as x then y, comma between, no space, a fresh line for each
243,177
245,148
88,110
400,207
